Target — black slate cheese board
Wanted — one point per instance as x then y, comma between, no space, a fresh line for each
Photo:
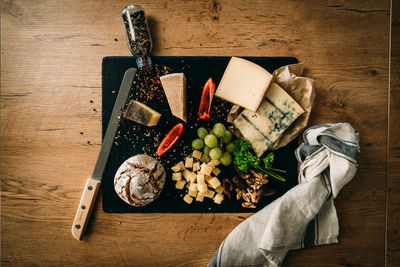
133,139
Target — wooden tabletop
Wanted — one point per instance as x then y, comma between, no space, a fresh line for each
51,53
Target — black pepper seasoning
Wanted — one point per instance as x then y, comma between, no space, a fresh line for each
137,34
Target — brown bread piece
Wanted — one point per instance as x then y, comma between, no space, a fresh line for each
139,180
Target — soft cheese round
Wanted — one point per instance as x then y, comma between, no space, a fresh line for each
139,180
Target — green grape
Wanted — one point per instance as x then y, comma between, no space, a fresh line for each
226,159
202,132
210,140
219,130
227,137
206,150
215,153
230,147
197,144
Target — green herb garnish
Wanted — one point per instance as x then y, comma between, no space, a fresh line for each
245,159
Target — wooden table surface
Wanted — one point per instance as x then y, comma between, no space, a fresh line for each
51,53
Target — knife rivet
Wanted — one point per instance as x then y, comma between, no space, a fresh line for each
90,188
83,207
77,226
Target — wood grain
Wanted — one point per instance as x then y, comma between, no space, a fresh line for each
393,182
51,54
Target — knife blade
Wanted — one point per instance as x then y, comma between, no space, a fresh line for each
92,185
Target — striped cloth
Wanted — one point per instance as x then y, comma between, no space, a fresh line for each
305,216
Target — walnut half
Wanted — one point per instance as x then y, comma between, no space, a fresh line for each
248,205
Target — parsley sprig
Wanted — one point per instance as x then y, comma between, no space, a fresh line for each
245,159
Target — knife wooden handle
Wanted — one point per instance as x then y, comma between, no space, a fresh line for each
85,208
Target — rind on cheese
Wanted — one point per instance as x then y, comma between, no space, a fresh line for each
275,114
244,83
175,89
140,113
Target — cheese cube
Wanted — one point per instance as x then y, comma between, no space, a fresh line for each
211,165
192,193
199,198
176,176
200,178
196,166
204,158
218,198
193,187
216,171
186,174
209,194
207,178
215,162
180,184
197,154
219,189
187,199
192,177
140,113
244,83
181,165
188,162
176,168
214,182
205,169
202,188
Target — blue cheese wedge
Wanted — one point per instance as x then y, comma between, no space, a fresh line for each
275,114
140,113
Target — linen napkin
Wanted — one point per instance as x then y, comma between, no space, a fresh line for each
305,216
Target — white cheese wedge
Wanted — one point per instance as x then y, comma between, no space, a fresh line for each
275,114
175,89
140,113
244,83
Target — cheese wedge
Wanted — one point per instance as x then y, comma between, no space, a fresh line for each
244,83
140,113
175,89
275,114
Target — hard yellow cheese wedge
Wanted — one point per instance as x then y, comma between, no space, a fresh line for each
244,83
140,113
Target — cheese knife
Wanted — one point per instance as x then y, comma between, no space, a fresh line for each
92,185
